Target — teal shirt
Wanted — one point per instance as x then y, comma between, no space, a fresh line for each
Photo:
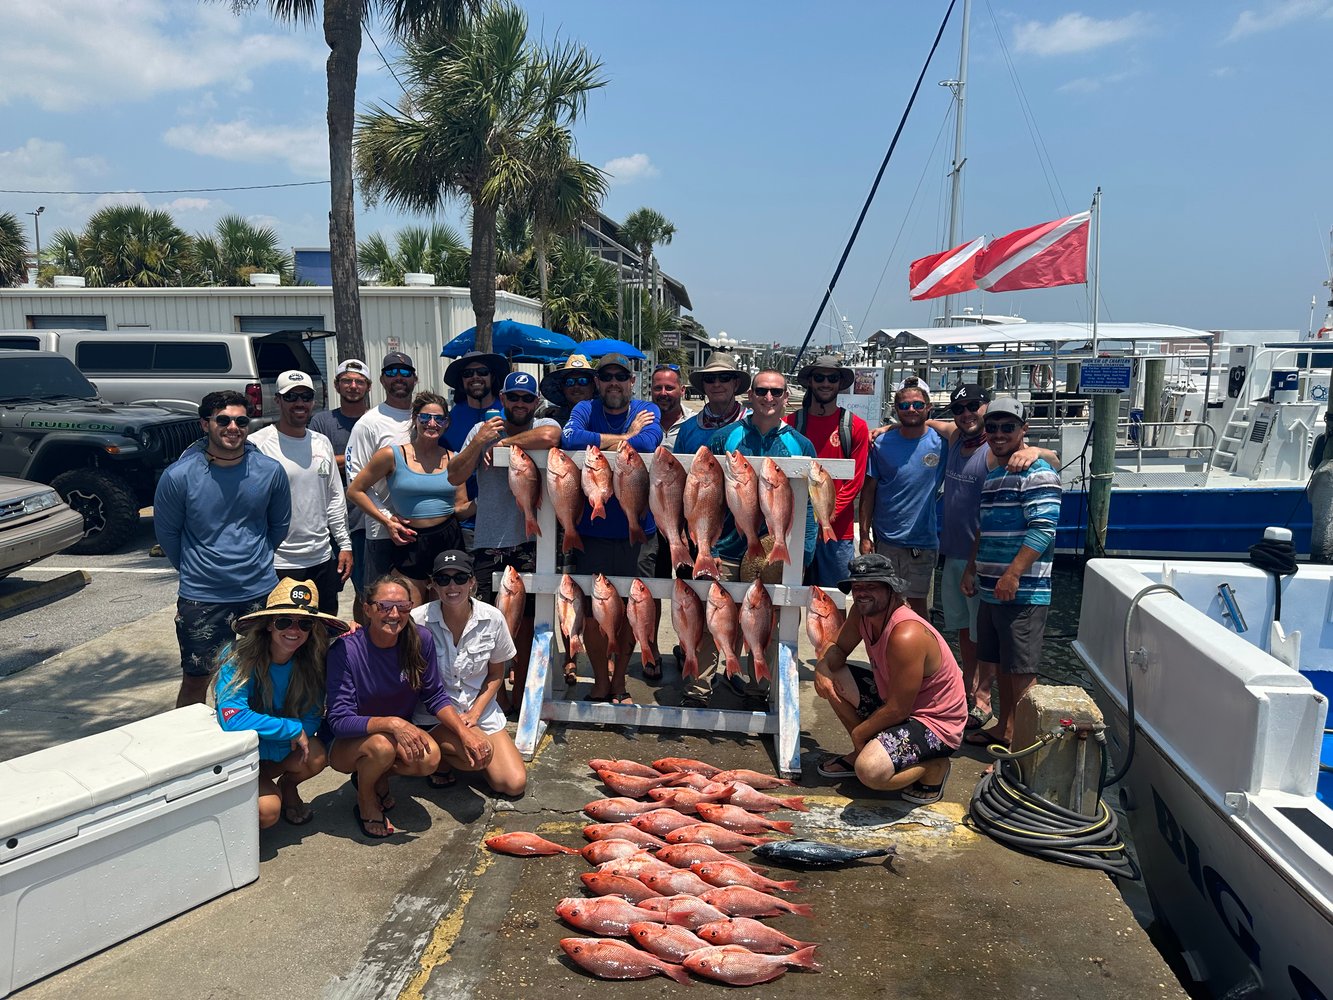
1018,509
783,441
236,714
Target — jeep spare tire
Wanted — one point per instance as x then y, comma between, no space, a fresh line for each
108,505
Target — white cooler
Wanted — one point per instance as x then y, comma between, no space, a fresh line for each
109,835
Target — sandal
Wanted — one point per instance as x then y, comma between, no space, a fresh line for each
976,720
302,812
837,767
365,825
387,801
622,699
442,779
983,738
924,795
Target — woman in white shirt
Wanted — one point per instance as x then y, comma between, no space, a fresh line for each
472,648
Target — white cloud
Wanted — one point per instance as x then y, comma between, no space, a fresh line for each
1277,15
86,53
1091,84
627,169
304,148
180,205
1074,33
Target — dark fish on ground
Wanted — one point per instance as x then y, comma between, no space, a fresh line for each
817,854
525,845
730,963
618,960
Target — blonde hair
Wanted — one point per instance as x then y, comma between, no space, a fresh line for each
251,652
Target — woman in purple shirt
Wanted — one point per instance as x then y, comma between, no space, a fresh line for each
376,675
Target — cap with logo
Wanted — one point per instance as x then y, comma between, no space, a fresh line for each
397,359
969,391
288,381
873,568
1007,405
520,382
353,365
296,598
453,560
614,360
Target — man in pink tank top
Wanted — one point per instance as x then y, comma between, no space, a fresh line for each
906,714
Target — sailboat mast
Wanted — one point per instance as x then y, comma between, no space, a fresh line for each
959,87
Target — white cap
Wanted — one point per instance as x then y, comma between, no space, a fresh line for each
353,365
288,381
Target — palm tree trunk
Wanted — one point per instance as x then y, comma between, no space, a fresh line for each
342,31
539,237
483,270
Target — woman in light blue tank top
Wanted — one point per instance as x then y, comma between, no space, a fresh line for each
424,508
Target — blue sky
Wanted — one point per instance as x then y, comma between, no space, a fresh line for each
757,129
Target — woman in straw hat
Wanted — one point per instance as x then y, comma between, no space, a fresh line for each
271,680
567,385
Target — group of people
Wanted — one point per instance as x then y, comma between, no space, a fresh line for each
403,499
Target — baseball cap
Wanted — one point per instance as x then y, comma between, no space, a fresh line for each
1009,405
520,382
452,560
397,359
608,360
969,391
288,381
353,365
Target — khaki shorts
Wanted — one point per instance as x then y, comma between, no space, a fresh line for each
960,611
916,566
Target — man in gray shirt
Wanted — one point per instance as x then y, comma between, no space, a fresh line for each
500,538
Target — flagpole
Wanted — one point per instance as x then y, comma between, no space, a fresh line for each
959,132
1096,261
1105,416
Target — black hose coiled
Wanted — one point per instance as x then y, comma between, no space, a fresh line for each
1007,810
1278,558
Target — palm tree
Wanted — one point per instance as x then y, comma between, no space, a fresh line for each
583,290
513,246
125,245
466,127
342,31
237,249
436,250
13,250
645,229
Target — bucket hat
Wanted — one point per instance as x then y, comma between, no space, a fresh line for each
831,362
296,598
720,363
873,568
499,366
575,364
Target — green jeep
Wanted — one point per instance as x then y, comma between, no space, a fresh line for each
103,458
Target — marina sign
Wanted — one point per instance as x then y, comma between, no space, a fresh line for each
1105,375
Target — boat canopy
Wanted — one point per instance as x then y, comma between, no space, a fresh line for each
1048,333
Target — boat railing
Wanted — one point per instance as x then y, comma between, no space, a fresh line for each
1166,439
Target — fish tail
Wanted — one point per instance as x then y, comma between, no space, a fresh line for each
707,565
531,526
680,553
781,825
780,553
755,548
598,510
691,667
646,654
802,910
788,885
573,540
796,802
576,645
676,972
804,959
733,663
636,532
761,672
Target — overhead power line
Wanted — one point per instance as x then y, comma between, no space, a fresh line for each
245,187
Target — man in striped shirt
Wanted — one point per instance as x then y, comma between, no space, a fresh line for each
1011,564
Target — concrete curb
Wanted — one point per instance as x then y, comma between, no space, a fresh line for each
60,586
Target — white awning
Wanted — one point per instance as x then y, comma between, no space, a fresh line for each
1048,333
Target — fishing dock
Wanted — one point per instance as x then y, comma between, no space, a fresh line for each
435,914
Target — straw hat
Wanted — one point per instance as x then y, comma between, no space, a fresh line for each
296,598
720,363
550,386
827,362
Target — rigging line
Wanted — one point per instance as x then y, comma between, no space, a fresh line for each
944,122
888,155
245,187
1030,119
386,62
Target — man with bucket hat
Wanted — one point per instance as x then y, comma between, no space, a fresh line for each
905,715
720,380
836,433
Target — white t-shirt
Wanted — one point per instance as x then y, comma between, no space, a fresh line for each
463,667
499,519
319,506
382,427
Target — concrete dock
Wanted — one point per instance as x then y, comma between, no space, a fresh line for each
432,913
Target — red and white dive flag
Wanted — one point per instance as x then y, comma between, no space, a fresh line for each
1054,253
946,273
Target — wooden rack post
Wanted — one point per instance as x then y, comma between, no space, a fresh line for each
789,597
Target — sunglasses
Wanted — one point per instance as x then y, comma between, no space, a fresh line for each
911,404
667,368
298,397
389,607
569,383
222,420
443,579
715,379
475,372
820,377
426,419
768,390
1008,427
399,372
972,407
614,377
283,622
520,397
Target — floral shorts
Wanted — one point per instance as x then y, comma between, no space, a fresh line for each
908,743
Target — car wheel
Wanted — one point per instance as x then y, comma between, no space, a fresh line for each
108,505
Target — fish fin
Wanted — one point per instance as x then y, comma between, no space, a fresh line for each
707,565
755,548
636,532
573,540
789,885
780,553
781,825
803,959
680,554
676,972
531,526
829,534
802,910
796,802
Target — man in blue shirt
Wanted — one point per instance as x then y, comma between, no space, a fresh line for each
898,497
611,420
220,512
476,378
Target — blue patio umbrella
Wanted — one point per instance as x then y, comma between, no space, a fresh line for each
516,341
597,348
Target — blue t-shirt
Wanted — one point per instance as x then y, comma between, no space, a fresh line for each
587,423
964,472
692,435
783,441
219,525
275,732
462,418
1018,509
907,474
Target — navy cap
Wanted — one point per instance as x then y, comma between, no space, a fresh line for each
452,561
520,382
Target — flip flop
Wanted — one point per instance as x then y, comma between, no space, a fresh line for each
976,720
829,767
923,795
442,779
597,697
387,801
622,699
982,738
365,825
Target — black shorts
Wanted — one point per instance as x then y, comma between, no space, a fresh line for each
909,742
1011,635
202,628
325,578
616,557
488,562
415,561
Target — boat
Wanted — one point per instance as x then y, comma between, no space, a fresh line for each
1214,680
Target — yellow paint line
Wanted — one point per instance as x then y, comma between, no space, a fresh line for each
437,951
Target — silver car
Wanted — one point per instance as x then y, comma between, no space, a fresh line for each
34,523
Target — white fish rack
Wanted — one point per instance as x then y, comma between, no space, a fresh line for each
783,721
